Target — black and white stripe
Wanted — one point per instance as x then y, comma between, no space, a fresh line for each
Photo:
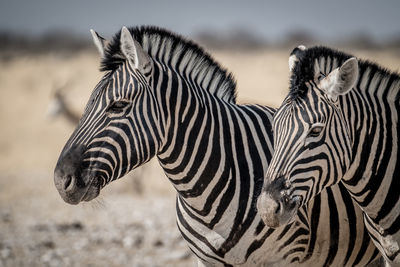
215,152
326,133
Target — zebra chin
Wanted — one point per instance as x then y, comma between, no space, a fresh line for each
276,213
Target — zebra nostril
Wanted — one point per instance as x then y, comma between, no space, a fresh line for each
278,207
68,182
286,199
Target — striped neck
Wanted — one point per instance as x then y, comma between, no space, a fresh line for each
371,111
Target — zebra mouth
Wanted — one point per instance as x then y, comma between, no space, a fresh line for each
92,191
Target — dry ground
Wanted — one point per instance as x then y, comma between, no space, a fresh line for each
122,228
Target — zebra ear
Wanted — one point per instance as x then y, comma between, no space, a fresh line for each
99,41
294,56
133,51
341,80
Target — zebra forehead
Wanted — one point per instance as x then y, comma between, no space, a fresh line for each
167,47
295,111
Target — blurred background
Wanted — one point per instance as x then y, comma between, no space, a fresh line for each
48,67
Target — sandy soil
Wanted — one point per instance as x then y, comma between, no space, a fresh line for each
125,226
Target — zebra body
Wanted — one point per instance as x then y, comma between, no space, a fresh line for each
340,122
163,96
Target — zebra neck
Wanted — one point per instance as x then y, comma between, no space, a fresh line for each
207,153
194,154
372,110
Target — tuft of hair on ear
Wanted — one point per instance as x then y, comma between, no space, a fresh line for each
128,46
341,80
348,75
133,51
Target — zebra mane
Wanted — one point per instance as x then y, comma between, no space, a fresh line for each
167,47
303,71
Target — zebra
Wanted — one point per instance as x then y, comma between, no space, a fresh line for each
339,123
163,96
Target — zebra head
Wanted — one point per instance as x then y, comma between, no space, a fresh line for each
312,143
117,131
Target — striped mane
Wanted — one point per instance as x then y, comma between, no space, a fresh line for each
303,70
168,48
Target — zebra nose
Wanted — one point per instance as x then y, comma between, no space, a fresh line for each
67,168
70,158
65,182
276,186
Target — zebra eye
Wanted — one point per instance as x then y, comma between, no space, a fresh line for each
118,106
315,131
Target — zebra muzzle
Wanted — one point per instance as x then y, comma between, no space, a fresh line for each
276,204
277,212
73,184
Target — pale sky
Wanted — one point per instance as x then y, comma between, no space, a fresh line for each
270,20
